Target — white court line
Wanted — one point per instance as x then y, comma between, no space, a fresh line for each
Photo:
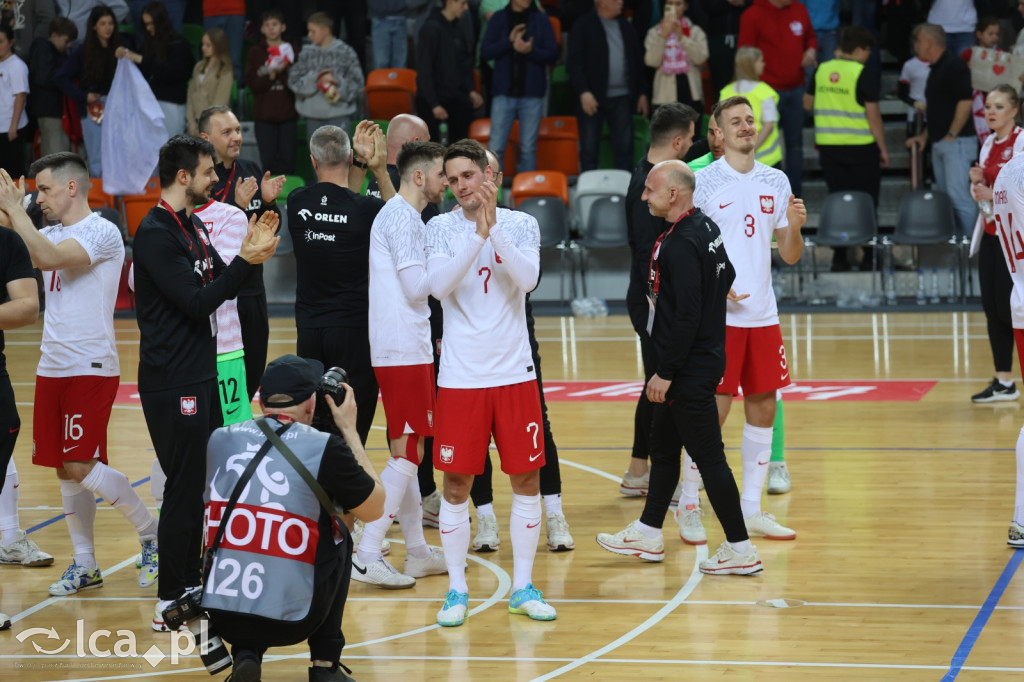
46,602
592,470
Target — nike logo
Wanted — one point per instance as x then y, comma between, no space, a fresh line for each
726,205
234,410
67,450
14,430
761,464
785,376
446,532
534,525
360,571
533,458
720,561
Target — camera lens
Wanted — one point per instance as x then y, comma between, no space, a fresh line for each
212,651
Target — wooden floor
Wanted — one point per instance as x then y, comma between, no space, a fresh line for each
902,494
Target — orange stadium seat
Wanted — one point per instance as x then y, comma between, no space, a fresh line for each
480,130
389,92
558,145
97,197
556,26
136,206
540,183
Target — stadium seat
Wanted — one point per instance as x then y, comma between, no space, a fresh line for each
389,92
847,219
291,183
539,184
592,186
556,26
136,206
926,217
480,130
97,197
554,233
558,145
605,229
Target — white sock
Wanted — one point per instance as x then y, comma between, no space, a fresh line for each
113,486
80,513
524,529
650,532
485,509
410,516
453,520
553,504
157,482
756,452
395,478
1005,384
1018,512
741,547
691,483
9,523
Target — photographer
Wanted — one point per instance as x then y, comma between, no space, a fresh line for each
291,592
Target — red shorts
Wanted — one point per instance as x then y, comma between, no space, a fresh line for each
754,359
409,394
69,422
467,417
1018,336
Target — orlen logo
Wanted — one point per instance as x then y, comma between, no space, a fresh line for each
305,213
320,236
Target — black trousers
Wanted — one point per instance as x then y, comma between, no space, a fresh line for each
460,115
180,421
10,423
348,348
690,420
851,168
12,153
255,322
277,146
642,415
996,287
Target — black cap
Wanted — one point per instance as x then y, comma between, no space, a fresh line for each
292,376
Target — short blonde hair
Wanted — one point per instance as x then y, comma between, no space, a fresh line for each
746,57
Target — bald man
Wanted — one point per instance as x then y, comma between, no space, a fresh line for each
689,283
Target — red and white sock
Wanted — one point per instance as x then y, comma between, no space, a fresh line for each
524,530
453,522
756,452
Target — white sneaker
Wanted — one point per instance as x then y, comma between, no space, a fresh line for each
149,564
764,525
635,486
727,560
559,539
1015,538
778,478
24,552
432,564
691,528
5,622
632,542
382,574
529,601
357,537
486,539
455,609
431,509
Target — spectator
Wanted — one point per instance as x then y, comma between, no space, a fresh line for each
605,67
958,19
676,49
723,28
987,35
390,36
326,78
86,77
80,12
13,95
212,78
782,29
913,78
825,21
228,16
353,13
175,13
166,62
950,129
30,19
763,100
520,41
445,90
266,74
46,103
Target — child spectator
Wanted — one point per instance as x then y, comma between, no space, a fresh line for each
913,78
987,35
266,74
13,94
676,49
212,78
763,100
326,78
46,103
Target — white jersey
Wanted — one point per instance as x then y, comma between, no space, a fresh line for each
399,327
78,327
1008,204
915,74
228,228
485,342
748,208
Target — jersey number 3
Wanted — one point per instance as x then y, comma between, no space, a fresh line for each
748,220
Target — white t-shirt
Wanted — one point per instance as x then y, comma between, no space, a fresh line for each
915,74
228,227
748,208
78,327
13,82
1008,204
485,340
954,16
399,327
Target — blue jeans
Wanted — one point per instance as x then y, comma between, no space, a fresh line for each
619,113
233,25
828,41
390,42
92,136
951,162
791,123
174,118
504,111
956,43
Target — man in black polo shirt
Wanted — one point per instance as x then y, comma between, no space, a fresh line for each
950,125
180,281
330,227
672,127
241,183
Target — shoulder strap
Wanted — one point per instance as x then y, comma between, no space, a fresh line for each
321,494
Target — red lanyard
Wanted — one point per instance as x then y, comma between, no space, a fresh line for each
220,196
654,279
206,275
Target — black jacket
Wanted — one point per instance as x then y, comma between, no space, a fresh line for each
169,78
642,229
45,99
587,63
444,62
173,304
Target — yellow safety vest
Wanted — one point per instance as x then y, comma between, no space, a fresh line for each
838,118
770,151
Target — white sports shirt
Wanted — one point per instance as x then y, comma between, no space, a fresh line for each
399,327
1008,204
485,339
78,327
228,227
748,208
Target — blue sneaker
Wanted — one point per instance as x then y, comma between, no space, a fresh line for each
529,601
149,564
453,613
75,579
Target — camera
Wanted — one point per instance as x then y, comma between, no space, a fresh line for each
330,385
188,611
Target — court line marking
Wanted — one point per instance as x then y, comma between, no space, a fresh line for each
973,632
